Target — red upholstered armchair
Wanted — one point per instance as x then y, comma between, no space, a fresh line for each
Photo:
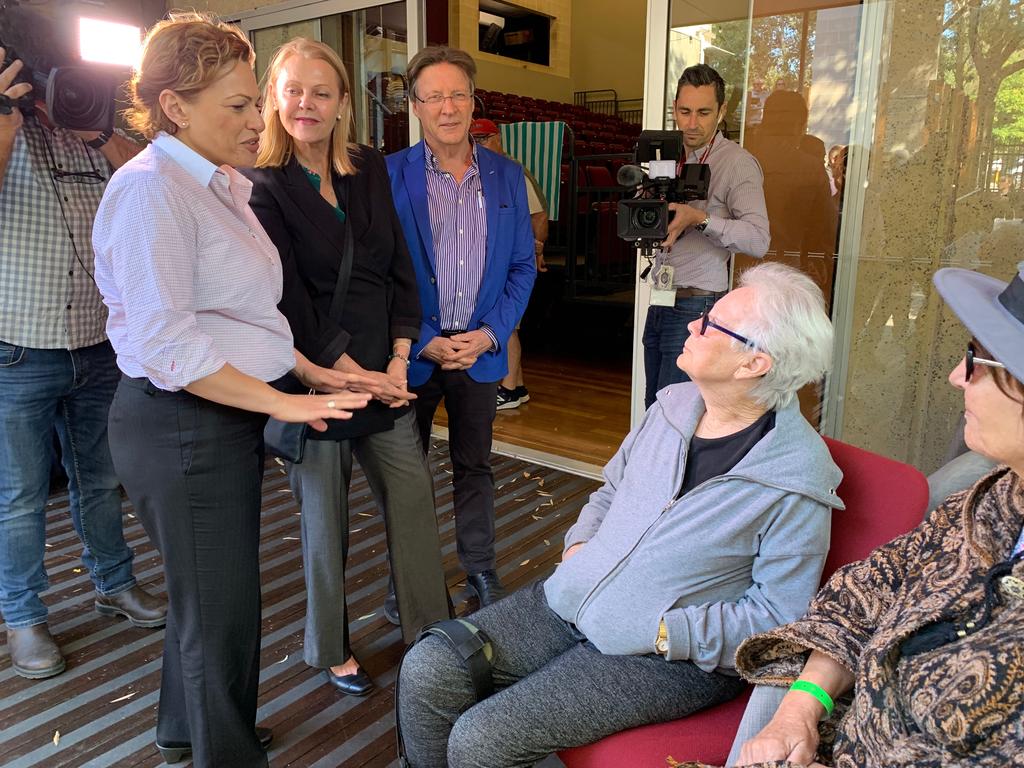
884,498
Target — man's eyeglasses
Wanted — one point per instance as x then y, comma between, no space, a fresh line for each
77,177
971,359
459,98
706,322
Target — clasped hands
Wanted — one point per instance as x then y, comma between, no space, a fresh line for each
458,352
390,387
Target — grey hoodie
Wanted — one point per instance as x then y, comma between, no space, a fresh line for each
741,553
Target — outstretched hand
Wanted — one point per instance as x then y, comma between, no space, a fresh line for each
316,409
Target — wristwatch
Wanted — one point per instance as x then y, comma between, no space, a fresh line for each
661,644
100,140
403,358
704,224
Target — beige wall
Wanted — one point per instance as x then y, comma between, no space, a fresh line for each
595,44
608,39
497,73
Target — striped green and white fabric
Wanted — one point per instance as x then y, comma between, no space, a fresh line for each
538,146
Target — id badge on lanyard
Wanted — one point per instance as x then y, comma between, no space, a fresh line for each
663,292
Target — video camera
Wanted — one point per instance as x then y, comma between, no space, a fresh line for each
75,59
644,220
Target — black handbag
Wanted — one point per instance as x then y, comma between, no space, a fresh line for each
287,440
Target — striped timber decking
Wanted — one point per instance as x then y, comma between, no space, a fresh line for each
101,711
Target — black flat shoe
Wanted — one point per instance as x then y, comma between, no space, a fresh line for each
176,751
487,586
357,684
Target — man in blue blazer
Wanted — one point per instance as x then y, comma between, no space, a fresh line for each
465,216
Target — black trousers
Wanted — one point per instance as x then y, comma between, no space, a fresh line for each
471,406
193,469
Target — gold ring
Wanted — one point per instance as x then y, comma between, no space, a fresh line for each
330,403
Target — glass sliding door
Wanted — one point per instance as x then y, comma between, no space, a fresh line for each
891,135
789,102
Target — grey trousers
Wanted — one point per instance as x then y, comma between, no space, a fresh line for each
554,690
397,473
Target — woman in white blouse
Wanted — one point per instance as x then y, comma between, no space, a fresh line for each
192,282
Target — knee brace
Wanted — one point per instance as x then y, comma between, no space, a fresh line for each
473,647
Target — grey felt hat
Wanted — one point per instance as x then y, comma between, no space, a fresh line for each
993,311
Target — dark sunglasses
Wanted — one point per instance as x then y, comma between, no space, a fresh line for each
706,321
971,359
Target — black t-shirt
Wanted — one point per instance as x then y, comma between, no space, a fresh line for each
710,457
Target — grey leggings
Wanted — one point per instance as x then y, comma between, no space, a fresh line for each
554,690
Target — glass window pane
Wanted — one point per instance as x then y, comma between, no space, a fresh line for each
789,98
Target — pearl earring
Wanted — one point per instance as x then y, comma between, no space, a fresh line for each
184,123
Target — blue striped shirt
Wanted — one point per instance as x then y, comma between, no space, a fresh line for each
458,225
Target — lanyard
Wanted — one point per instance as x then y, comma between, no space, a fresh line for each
703,157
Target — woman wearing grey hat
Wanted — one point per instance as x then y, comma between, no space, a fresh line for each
912,657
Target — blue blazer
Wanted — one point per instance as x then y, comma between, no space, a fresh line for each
510,267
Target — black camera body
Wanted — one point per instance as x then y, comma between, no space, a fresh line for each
644,219
79,96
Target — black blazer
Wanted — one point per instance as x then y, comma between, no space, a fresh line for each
382,302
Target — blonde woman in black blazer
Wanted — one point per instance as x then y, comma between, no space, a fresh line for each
311,185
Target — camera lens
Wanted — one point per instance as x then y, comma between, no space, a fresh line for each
81,99
647,217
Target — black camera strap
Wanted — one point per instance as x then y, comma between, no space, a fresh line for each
473,647
52,163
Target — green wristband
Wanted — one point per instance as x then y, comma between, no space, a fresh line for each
817,692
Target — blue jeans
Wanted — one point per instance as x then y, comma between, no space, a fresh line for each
70,391
664,336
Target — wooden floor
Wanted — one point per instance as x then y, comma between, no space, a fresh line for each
101,711
577,410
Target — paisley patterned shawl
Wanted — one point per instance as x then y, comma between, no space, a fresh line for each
959,705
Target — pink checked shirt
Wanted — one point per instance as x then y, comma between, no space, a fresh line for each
190,278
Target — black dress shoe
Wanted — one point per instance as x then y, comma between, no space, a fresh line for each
391,609
487,586
34,654
356,684
137,605
176,751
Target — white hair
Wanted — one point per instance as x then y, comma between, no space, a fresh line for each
790,325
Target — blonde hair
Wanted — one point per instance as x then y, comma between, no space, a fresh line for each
185,53
276,144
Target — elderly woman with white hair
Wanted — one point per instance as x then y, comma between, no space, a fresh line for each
712,524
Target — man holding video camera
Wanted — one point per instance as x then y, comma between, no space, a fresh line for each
57,371
692,271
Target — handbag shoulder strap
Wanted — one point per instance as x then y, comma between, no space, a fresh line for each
345,268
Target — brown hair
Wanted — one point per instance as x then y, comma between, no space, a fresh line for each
699,75
276,144
185,53
439,54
